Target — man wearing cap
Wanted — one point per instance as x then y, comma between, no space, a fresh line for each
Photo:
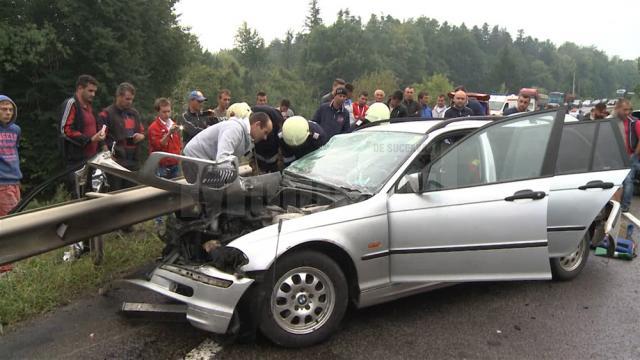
376,112
300,137
332,116
329,96
194,119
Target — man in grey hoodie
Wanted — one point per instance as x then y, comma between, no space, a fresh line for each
232,137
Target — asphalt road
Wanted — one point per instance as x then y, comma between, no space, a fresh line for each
596,316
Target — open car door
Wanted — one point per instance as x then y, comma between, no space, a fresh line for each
592,164
481,209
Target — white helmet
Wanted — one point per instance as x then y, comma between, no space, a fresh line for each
295,131
240,110
377,112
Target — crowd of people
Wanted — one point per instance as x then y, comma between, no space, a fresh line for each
275,136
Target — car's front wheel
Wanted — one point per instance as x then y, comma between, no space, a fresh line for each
568,267
306,301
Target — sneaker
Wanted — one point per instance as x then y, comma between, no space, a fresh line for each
624,209
6,268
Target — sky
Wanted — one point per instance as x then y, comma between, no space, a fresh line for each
586,23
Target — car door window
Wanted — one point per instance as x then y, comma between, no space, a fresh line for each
507,151
432,151
588,146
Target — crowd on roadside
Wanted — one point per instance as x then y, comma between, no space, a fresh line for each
275,136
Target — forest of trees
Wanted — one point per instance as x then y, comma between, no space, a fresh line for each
48,43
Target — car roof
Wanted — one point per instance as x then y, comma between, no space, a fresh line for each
423,126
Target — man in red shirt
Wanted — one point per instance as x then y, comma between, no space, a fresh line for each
631,134
81,134
360,108
164,135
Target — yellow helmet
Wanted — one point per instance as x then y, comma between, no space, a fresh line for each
240,110
295,131
377,112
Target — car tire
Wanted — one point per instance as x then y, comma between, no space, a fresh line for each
306,299
568,267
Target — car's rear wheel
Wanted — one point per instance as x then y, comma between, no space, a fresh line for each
568,267
306,301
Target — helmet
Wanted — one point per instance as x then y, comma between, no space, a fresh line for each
377,112
240,110
295,131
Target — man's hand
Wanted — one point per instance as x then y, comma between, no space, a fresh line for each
100,135
174,128
137,137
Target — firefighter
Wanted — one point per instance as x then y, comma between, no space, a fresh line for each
376,112
300,137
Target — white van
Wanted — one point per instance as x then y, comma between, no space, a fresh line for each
497,104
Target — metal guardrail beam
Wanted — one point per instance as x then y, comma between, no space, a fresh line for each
35,232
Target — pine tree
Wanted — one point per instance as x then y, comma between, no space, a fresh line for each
313,19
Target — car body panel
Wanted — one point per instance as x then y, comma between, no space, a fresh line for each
358,229
210,307
591,152
448,235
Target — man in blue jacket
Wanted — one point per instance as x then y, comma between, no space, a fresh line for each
10,174
333,117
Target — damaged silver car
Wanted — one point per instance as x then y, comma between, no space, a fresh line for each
382,213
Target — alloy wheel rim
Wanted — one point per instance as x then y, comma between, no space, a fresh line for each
302,300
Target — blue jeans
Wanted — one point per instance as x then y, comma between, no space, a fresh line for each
627,185
167,172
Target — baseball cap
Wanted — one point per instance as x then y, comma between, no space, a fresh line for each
341,91
197,95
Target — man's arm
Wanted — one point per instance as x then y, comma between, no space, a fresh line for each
228,141
346,124
316,117
139,136
156,139
637,149
67,121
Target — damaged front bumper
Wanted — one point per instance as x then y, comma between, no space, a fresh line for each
211,295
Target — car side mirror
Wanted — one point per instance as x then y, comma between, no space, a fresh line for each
415,182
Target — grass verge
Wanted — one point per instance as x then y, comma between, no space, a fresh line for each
44,282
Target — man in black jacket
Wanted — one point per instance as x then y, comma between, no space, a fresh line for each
521,106
398,110
413,107
459,109
333,117
194,119
267,153
299,137
125,132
